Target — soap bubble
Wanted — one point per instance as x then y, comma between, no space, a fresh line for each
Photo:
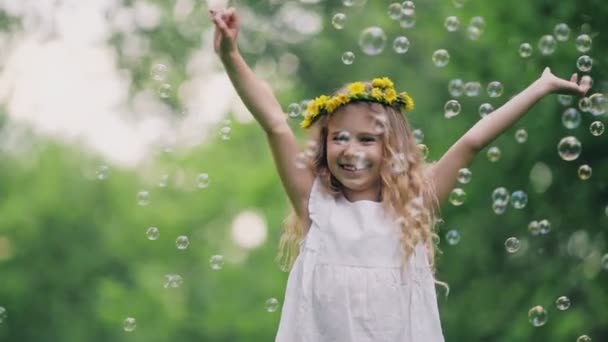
583,43
152,233
519,199
129,324
216,262
451,108
408,20
271,304
561,32
547,44
395,11
512,244
583,338
495,89
457,196
472,89
564,100
599,104
571,118
584,63
525,50
338,21
456,87
537,316
473,32
584,172
202,180
521,136
452,237
596,128
493,154
159,72
464,176
569,148
441,58
372,40
500,195
164,90
544,226
534,227
143,198
182,242
452,23
479,23
584,104
348,58
418,135
173,281
408,8
485,109
562,303
294,110
401,44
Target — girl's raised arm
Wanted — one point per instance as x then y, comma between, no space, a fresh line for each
445,172
263,105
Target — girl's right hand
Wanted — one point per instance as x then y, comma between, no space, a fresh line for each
226,30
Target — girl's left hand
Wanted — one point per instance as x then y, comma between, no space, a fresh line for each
559,85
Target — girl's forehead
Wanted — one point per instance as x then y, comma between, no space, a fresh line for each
356,119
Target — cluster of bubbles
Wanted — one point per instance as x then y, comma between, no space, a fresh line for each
501,199
457,87
539,227
173,281
159,73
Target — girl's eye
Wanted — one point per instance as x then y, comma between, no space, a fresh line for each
368,139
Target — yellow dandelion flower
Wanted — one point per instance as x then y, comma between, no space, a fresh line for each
356,88
377,94
342,99
408,101
390,95
383,82
332,104
312,109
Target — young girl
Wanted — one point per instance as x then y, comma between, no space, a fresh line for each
360,242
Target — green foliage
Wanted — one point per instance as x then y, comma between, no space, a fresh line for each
75,260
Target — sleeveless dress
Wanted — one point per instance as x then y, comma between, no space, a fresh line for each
347,285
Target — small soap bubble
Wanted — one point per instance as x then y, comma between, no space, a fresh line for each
216,262
478,22
525,50
419,135
583,338
164,90
202,180
408,8
584,172
537,316
494,154
500,195
353,3
604,260
401,44
398,163
544,227
569,148
408,20
338,21
159,72
498,208
562,303
342,138
182,242
583,43
472,89
456,87
441,58
102,172
129,324
457,196
521,136
3,314
459,3
495,89
547,44
452,237
599,104
512,244
395,11
584,63
173,281
596,128
571,118
294,110
519,199
348,57
452,23
372,40
473,32
464,176
424,150
153,233
485,109
564,100
451,108
561,32
271,305
534,227
584,104
143,198
163,181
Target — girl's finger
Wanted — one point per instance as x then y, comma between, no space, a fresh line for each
574,78
220,24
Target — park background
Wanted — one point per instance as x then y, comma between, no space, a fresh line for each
113,119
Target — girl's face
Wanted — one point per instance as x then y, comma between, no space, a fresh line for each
354,151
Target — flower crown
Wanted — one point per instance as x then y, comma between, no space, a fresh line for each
382,91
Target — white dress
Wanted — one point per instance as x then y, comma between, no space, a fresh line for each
347,285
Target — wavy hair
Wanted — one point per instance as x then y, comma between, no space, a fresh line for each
406,191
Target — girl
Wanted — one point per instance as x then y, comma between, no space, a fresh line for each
360,242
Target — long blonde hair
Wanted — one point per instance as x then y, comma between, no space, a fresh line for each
406,190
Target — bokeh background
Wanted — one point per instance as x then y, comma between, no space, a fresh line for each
120,135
